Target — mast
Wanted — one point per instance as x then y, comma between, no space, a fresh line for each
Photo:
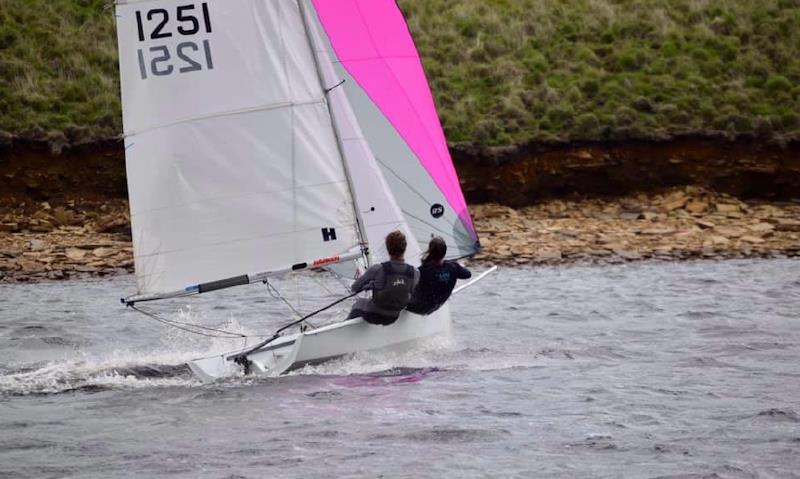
361,227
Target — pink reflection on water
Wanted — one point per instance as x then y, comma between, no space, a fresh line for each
385,378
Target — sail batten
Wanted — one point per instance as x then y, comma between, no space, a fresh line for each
133,134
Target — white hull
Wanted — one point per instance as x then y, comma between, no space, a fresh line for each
326,343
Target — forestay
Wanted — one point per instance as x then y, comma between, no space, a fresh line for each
372,50
232,160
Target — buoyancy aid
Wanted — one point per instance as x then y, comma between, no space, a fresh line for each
396,292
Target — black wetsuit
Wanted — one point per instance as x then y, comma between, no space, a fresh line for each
436,283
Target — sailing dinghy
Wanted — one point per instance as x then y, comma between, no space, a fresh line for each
274,137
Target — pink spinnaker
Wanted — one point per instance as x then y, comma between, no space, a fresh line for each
373,43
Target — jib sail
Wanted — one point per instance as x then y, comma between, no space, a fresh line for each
372,50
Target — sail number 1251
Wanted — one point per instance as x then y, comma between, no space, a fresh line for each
187,56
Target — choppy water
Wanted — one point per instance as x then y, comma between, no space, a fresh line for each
687,370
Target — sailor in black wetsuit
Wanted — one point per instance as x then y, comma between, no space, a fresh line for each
391,283
436,280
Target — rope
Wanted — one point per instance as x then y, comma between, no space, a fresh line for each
188,327
339,280
243,355
325,286
194,328
321,310
278,295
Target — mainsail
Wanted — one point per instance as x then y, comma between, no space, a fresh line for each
265,136
232,160
373,51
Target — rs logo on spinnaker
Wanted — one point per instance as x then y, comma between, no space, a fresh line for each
437,210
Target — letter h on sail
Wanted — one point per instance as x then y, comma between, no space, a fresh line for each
328,234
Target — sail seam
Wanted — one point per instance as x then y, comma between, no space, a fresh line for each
274,106
289,84
239,240
420,195
402,180
230,197
443,232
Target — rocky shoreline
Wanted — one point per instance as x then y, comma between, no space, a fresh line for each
78,239
680,224
83,238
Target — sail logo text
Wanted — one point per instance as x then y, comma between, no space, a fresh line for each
156,24
328,234
437,210
324,261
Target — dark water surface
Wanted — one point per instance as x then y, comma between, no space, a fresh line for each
685,370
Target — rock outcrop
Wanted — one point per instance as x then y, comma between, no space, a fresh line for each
683,223
77,239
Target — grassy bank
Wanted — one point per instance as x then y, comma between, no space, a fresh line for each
58,70
510,71
503,71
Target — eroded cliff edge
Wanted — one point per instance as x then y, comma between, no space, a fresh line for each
524,175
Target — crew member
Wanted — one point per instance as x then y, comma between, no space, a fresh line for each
391,283
437,279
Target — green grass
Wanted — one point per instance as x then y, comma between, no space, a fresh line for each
58,71
513,71
503,71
